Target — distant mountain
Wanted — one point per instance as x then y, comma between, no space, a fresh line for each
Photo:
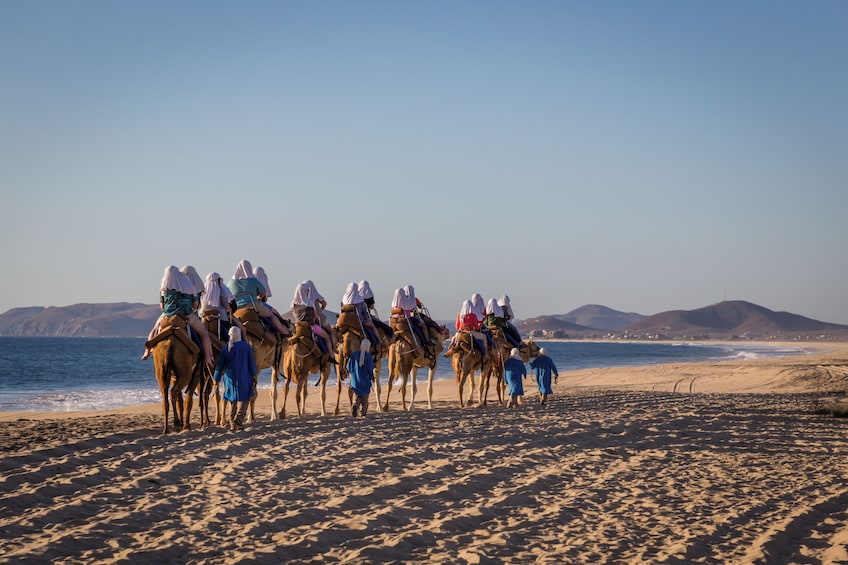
548,325
730,317
80,320
600,317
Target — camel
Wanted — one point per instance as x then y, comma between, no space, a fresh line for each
268,348
302,357
527,350
350,338
208,387
404,361
466,359
175,360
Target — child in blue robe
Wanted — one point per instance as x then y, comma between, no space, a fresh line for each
360,365
514,372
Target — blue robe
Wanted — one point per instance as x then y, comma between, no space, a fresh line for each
544,367
360,377
514,372
237,366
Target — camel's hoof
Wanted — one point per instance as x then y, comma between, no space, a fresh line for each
282,416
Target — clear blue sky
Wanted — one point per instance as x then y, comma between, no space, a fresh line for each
647,156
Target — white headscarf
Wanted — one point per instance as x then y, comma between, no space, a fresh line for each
212,297
464,309
408,301
351,295
235,334
313,292
364,347
494,309
301,296
542,351
515,353
244,270
173,279
365,290
259,273
194,277
477,306
397,299
503,302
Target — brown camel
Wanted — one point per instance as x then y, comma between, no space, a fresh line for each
208,387
303,357
350,334
528,349
268,348
175,358
404,361
466,359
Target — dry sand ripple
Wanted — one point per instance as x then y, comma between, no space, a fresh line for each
596,476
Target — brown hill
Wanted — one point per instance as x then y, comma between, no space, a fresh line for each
549,325
731,317
600,317
80,320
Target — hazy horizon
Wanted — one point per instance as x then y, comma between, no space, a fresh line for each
645,156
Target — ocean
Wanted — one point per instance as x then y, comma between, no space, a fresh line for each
69,374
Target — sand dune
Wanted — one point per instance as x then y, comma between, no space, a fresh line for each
617,468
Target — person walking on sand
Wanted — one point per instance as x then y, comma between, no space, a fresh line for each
544,367
236,366
360,365
514,373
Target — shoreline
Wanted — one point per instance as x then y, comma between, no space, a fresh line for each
716,375
617,466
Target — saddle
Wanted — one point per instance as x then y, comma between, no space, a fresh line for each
349,321
255,326
176,325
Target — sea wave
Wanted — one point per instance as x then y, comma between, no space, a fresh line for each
78,400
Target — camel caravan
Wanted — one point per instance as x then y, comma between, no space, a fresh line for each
189,345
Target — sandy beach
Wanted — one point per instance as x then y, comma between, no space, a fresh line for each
686,463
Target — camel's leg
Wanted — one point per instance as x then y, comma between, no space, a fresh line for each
430,375
338,395
216,394
414,377
275,377
403,380
388,394
300,396
286,396
177,406
165,406
323,394
251,414
377,387
187,404
460,383
471,389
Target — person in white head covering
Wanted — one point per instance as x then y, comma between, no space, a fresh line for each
217,297
509,327
249,292
544,367
260,275
178,296
514,373
368,296
467,321
404,320
360,366
495,317
352,297
304,309
237,367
